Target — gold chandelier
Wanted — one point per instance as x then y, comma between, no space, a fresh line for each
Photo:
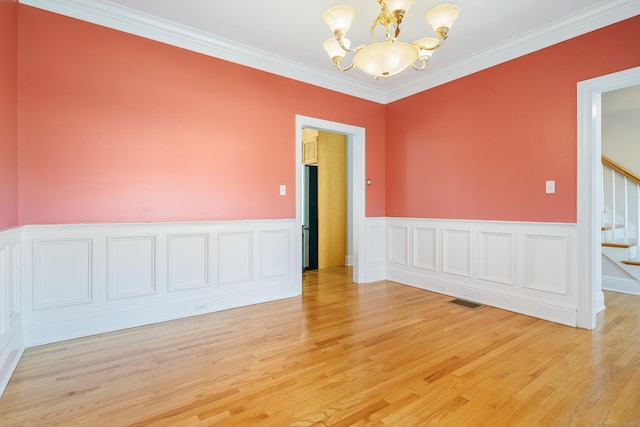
391,56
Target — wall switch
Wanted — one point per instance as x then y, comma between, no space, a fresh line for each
551,187
283,190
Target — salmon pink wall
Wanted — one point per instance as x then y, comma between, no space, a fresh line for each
118,128
482,147
8,118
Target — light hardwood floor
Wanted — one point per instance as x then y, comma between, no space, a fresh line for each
340,355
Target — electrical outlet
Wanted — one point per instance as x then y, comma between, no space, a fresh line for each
201,307
441,288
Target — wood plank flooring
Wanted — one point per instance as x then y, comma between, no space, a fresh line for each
341,355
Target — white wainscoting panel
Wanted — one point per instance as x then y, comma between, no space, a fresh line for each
497,257
131,270
398,239
274,253
81,280
456,253
529,268
11,334
187,258
234,257
62,273
549,252
425,253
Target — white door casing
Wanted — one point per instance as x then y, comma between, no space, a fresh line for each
589,189
356,140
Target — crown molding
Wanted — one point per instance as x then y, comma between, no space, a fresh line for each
600,16
131,21
107,14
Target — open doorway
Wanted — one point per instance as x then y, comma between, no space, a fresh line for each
326,229
620,116
355,140
589,190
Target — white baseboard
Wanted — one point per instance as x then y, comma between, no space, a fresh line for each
10,356
540,309
622,285
62,329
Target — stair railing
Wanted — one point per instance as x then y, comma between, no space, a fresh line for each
611,194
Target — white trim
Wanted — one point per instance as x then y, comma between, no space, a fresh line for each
539,260
619,284
127,294
589,188
356,138
11,333
10,356
374,251
131,21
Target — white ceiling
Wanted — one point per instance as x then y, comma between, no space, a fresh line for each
285,36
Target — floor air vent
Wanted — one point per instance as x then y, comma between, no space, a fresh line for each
466,304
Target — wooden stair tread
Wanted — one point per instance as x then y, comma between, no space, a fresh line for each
610,227
634,261
621,243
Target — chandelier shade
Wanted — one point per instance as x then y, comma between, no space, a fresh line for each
391,56
333,48
394,5
339,18
387,58
427,46
442,16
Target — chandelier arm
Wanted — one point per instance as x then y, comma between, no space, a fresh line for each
373,29
422,66
440,41
345,48
337,64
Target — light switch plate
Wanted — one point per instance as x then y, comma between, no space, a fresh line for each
283,190
551,187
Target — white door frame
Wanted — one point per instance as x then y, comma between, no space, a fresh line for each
590,297
355,137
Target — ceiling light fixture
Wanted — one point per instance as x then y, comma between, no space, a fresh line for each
391,56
